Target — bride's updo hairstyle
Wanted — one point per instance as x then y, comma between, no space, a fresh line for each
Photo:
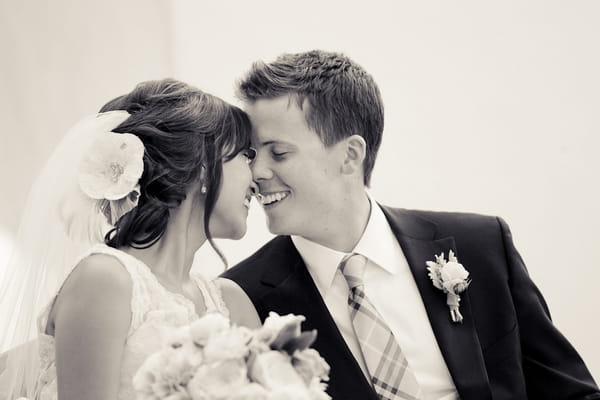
183,130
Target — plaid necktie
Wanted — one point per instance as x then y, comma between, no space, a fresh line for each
390,373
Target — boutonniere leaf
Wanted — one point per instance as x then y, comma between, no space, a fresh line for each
451,278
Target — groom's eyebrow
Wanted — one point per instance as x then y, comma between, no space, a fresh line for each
269,142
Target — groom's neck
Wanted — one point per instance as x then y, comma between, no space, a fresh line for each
345,229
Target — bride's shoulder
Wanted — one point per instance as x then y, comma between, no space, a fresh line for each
98,285
241,309
98,276
100,269
103,266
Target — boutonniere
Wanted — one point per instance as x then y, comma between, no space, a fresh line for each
450,277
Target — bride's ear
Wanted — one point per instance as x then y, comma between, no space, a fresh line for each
355,150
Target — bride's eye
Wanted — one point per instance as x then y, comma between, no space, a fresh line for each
250,154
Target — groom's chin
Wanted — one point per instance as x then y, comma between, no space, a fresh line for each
277,226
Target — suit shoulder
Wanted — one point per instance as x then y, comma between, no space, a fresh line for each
470,229
261,259
453,219
271,263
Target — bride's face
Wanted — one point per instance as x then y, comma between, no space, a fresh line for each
228,219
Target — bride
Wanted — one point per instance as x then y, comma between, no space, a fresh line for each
107,241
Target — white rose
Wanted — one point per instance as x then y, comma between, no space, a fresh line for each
164,373
218,380
280,328
251,391
209,325
177,337
228,345
178,396
309,363
291,392
274,369
317,390
453,270
148,373
454,277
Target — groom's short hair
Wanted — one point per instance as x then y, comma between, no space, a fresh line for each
338,96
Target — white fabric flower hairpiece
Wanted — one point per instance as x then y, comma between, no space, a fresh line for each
110,173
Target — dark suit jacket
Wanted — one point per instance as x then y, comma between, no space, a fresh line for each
506,347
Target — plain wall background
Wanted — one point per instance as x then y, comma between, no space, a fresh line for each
491,107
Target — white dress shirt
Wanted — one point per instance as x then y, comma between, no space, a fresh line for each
391,288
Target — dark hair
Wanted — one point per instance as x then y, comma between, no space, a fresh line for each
343,99
183,130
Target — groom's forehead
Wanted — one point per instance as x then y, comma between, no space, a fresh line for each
276,125
277,111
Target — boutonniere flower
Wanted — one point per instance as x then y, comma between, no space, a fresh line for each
450,277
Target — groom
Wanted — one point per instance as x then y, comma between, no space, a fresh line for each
357,269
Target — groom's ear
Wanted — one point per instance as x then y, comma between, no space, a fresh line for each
355,151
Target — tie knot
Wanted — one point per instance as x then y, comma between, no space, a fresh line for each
353,268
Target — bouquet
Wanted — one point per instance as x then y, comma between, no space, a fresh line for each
214,360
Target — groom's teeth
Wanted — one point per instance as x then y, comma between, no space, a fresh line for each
270,198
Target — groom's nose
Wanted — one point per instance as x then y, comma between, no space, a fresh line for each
260,167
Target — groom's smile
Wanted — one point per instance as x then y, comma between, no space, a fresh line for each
269,200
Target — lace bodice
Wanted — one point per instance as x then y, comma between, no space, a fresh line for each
154,310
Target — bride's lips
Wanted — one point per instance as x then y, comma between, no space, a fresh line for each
272,199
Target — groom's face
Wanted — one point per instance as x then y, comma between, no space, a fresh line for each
298,176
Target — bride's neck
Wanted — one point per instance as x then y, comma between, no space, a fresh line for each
172,256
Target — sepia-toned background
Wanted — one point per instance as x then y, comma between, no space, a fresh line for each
491,107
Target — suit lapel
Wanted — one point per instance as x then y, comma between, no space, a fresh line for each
294,291
458,343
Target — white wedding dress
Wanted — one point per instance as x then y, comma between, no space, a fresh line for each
154,310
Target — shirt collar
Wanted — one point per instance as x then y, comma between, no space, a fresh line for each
321,261
377,242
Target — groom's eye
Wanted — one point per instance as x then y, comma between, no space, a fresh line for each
278,155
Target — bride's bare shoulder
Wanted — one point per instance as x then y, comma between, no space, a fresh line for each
99,271
241,309
98,284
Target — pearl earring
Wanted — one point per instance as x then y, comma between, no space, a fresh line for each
203,189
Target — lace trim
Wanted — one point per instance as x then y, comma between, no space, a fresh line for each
151,284
214,292
211,292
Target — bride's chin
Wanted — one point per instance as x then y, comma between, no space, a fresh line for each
232,232
240,233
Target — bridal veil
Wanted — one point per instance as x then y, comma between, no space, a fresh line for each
58,224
